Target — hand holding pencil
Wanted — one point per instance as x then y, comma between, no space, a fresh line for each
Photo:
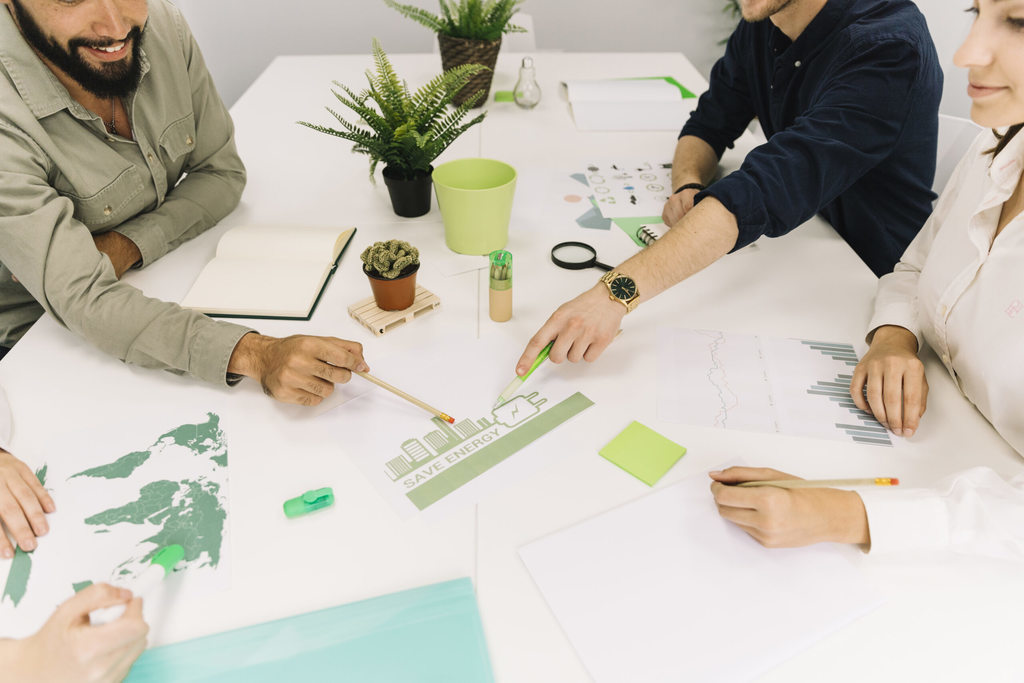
778,517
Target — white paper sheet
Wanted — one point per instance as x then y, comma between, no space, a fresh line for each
663,589
419,463
763,384
119,500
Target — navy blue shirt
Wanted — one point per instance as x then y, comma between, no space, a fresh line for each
850,111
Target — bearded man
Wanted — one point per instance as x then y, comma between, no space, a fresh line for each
114,149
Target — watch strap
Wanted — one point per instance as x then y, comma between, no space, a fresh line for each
607,279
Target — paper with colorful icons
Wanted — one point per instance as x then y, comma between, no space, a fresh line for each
629,188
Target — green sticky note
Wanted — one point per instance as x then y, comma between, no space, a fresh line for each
503,96
643,452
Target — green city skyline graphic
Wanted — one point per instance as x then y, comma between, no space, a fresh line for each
419,452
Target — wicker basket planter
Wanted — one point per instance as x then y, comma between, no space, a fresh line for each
457,51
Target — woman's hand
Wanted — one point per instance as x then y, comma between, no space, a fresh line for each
69,648
897,391
787,518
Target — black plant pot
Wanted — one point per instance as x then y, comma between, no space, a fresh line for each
410,197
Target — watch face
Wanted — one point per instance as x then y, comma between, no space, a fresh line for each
623,288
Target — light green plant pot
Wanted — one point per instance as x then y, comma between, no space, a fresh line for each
475,200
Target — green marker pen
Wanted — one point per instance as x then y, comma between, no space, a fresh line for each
513,388
162,565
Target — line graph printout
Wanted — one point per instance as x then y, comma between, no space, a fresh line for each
762,384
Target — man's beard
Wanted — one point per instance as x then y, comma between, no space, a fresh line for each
774,8
114,79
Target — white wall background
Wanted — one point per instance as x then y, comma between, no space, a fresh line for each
240,37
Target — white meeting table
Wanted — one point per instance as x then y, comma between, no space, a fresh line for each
947,619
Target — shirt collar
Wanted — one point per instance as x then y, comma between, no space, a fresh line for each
816,36
1005,169
39,88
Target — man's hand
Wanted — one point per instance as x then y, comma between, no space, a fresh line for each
677,206
23,502
68,648
299,369
121,251
581,329
787,518
897,391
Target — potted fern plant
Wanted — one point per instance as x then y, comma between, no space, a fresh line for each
391,267
405,130
468,32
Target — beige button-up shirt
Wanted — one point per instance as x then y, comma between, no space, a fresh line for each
960,288
64,177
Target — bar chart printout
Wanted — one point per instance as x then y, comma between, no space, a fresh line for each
762,384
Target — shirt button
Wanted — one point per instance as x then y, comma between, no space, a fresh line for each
945,359
798,63
110,139
942,310
149,156
188,140
107,210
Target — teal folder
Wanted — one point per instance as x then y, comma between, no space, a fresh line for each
431,634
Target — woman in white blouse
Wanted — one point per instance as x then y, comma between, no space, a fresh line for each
67,647
960,288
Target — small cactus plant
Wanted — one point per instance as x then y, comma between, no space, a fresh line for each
388,259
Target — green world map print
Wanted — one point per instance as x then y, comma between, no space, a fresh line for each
116,513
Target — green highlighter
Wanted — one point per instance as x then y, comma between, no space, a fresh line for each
513,388
310,501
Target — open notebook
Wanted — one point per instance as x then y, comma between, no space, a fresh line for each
269,271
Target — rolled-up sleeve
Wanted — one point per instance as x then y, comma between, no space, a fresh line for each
54,257
215,173
852,125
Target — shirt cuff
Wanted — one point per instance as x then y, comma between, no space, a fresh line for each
211,352
743,200
912,520
902,314
147,236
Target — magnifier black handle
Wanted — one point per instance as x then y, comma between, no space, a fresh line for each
602,266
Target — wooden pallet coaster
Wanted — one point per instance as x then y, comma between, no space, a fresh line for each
379,322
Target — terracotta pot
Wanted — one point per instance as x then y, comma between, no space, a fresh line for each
410,197
397,294
458,51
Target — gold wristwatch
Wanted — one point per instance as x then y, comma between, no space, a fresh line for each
621,288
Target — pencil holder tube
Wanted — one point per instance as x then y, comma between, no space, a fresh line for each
500,291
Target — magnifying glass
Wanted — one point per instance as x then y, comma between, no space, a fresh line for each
576,256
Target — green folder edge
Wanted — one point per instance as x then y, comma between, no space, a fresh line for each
431,634
316,302
683,92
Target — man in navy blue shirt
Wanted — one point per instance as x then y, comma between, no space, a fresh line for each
847,92
849,106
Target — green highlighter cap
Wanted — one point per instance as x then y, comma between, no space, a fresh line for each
169,557
310,501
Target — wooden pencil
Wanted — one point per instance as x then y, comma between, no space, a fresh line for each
823,483
411,399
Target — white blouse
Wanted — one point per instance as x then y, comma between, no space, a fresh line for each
963,293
